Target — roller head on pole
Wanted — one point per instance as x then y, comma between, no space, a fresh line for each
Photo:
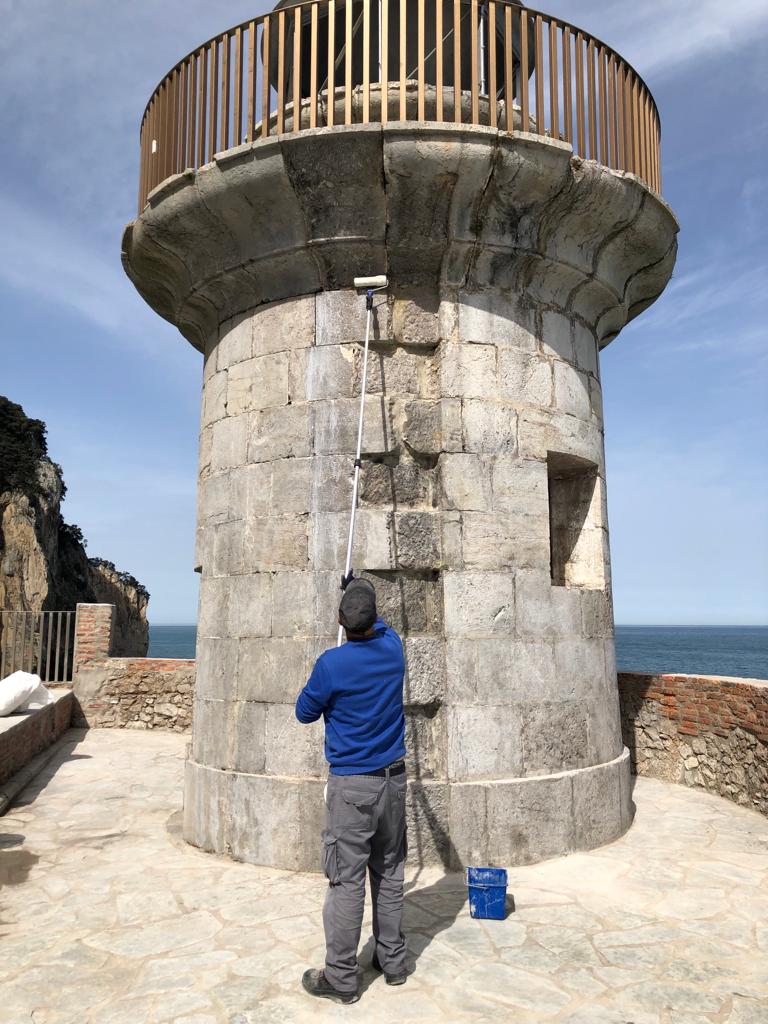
375,283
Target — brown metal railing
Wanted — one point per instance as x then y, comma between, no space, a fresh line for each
345,62
39,642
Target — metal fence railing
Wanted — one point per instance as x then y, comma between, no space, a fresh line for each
343,62
39,642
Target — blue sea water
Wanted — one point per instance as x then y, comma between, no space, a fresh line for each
703,650
695,650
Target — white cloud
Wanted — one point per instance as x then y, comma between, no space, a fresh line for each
661,36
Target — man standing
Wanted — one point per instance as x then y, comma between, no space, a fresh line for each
358,689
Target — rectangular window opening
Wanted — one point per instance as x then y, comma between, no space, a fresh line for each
577,538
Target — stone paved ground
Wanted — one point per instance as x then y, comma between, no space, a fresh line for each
109,918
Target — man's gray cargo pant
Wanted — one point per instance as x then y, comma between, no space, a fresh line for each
365,828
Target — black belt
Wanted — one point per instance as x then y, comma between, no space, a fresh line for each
398,768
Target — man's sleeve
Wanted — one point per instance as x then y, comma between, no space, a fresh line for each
313,699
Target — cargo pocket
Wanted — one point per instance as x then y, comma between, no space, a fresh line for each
330,864
359,806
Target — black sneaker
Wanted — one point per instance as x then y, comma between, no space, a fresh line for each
391,979
316,983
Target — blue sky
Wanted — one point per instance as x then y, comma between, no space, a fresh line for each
685,385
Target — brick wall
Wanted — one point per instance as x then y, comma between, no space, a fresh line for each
707,732
127,693
94,627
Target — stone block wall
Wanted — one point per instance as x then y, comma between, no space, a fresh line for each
25,734
707,732
480,408
129,693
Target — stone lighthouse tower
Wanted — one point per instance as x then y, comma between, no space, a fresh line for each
502,169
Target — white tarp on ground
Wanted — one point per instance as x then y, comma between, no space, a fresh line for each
23,691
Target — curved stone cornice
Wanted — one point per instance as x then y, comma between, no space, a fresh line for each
449,206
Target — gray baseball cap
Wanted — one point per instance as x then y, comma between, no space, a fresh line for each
357,608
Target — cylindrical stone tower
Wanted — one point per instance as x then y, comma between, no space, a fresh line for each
482,516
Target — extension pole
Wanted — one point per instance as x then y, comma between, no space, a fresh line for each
358,464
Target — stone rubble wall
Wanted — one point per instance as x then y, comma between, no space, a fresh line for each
127,693
706,732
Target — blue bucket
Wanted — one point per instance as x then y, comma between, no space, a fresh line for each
487,892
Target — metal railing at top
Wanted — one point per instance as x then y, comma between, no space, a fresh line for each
491,63
39,642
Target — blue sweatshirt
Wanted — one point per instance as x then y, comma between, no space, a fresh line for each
358,689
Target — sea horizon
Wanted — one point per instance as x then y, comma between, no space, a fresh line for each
710,650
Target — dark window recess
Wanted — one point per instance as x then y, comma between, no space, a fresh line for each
575,538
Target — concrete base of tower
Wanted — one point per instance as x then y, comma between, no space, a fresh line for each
276,820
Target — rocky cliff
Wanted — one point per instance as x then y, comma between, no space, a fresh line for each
43,564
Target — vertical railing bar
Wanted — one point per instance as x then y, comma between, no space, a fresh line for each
66,646
203,106
348,62
579,58
296,71
653,149
142,171
266,63
525,72
48,651
3,629
161,135
225,86
171,97
178,138
237,116
384,76
18,647
149,155
366,61
167,163
331,80
403,55
213,98
192,139
6,618
613,155
15,647
629,87
640,134
474,85
592,100
539,77
179,141
39,655
313,68
456,61
632,121
58,645
161,110
438,59
183,140
648,139
554,113
492,86
659,179
509,77
26,649
251,112
420,59
280,125
602,107
567,92
153,157
620,114
636,121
